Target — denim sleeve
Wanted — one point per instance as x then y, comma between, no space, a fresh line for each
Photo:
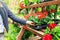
13,17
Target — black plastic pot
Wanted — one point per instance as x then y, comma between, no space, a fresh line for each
43,26
39,27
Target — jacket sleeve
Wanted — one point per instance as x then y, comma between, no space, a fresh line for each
13,17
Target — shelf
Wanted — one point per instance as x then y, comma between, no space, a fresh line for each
43,4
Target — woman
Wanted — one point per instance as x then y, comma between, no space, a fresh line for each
4,14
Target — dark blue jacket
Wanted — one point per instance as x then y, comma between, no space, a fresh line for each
5,13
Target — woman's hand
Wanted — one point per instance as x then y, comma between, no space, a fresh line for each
30,23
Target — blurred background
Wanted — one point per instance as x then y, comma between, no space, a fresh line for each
14,29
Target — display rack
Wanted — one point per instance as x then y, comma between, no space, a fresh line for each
39,33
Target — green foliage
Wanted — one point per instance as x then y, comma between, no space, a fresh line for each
26,35
13,32
26,2
33,0
58,9
47,30
39,9
51,7
38,21
55,32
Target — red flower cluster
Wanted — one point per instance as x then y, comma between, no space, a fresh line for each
39,14
27,16
22,5
52,25
47,37
42,14
52,10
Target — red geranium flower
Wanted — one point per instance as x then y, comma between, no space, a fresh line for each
34,15
22,5
41,16
52,25
46,13
47,37
27,16
52,10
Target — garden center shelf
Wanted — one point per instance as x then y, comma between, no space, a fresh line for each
33,30
43,4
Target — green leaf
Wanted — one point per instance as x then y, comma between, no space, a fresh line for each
58,9
53,7
36,19
47,30
33,1
27,34
39,9
26,2
56,29
56,36
58,13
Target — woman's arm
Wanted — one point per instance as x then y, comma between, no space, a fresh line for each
14,18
